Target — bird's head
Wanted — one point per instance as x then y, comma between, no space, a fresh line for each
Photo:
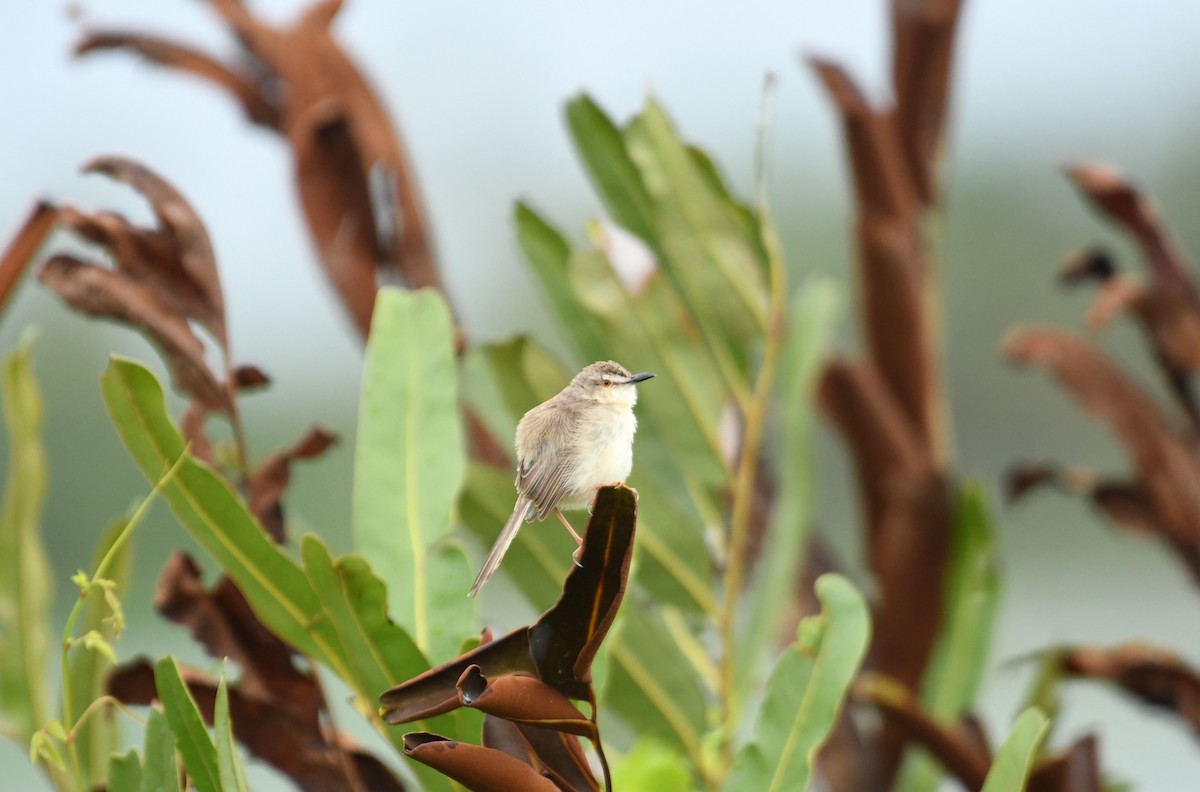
608,382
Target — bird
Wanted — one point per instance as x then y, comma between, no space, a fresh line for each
568,447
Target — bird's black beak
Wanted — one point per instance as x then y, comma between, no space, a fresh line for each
636,378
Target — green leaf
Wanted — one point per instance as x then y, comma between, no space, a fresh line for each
805,693
956,668
25,585
125,772
813,317
215,516
160,772
717,268
652,685
549,254
229,764
653,767
191,737
410,462
380,653
1014,761
615,176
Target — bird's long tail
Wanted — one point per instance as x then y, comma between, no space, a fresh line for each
507,534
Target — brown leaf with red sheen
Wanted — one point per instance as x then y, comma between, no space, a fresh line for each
475,767
554,754
113,294
268,483
522,699
1154,676
357,188
24,246
269,733
1075,770
959,749
1167,469
923,33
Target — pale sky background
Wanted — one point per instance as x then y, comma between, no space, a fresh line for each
479,87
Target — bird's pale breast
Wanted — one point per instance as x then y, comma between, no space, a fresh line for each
611,453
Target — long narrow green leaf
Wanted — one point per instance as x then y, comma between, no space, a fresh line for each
215,516
813,314
805,693
191,737
549,255
1014,761
716,267
160,771
25,587
615,176
229,765
652,685
410,462
97,737
956,668
124,772
380,653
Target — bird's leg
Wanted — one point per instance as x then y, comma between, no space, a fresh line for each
579,540
562,519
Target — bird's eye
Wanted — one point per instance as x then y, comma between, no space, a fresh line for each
606,383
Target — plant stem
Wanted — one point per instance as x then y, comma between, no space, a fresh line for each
744,485
68,631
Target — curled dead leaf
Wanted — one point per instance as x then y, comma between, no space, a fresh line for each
1166,465
1154,676
269,481
99,291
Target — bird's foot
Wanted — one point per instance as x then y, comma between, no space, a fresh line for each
577,556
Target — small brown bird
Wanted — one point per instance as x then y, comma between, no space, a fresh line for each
568,447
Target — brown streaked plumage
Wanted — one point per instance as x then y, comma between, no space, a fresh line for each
568,447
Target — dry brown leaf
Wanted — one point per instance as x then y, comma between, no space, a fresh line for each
1075,770
907,505
278,711
891,261
171,54
99,291
1155,676
269,733
24,246
923,33
268,482
356,185
958,748
1166,466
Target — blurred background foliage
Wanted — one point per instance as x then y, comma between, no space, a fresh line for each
480,91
